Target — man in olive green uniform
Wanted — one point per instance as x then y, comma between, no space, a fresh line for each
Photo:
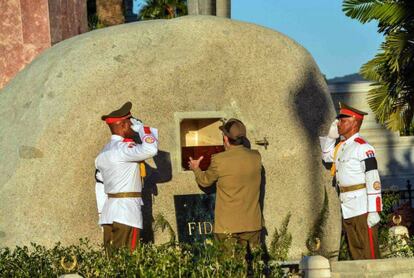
237,171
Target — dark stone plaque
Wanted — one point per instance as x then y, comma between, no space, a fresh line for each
195,216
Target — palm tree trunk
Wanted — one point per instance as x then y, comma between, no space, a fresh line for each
110,12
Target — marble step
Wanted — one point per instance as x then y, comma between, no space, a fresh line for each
394,267
387,274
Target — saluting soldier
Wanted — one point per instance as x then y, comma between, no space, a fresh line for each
237,171
356,172
118,186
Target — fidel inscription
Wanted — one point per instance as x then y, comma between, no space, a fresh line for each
194,215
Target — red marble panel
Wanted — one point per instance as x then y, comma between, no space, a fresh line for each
10,63
79,19
55,18
10,39
16,58
11,23
68,18
31,51
24,33
82,16
30,26
35,18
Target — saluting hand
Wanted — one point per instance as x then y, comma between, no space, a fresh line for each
333,130
194,163
136,125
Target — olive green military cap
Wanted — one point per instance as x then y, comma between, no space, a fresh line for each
233,128
122,113
348,111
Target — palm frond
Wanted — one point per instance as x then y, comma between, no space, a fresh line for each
395,121
401,119
371,70
359,9
395,47
386,12
380,102
392,68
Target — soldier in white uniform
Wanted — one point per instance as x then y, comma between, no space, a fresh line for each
358,181
118,182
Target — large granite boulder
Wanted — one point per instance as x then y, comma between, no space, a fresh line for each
50,128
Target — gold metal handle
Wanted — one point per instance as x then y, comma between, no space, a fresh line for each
263,142
313,245
397,219
68,266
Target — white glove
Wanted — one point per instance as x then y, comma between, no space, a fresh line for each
136,125
373,219
333,130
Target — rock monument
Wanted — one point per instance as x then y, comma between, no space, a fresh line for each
177,73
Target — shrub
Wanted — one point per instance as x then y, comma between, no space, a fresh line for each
281,241
168,260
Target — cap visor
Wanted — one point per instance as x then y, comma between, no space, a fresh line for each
342,116
225,132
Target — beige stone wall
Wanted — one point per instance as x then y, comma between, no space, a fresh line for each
50,128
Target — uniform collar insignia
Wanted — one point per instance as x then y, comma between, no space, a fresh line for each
352,138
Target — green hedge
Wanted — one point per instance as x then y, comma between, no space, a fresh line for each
168,260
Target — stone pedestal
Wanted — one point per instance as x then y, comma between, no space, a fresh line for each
398,236
315,267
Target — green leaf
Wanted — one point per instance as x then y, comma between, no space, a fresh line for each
386,12
392,68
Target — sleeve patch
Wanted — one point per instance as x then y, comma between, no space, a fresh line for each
147,130
149,139
370,164
360,140
377,185
370,153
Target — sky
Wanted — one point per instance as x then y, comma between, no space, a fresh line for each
339,45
